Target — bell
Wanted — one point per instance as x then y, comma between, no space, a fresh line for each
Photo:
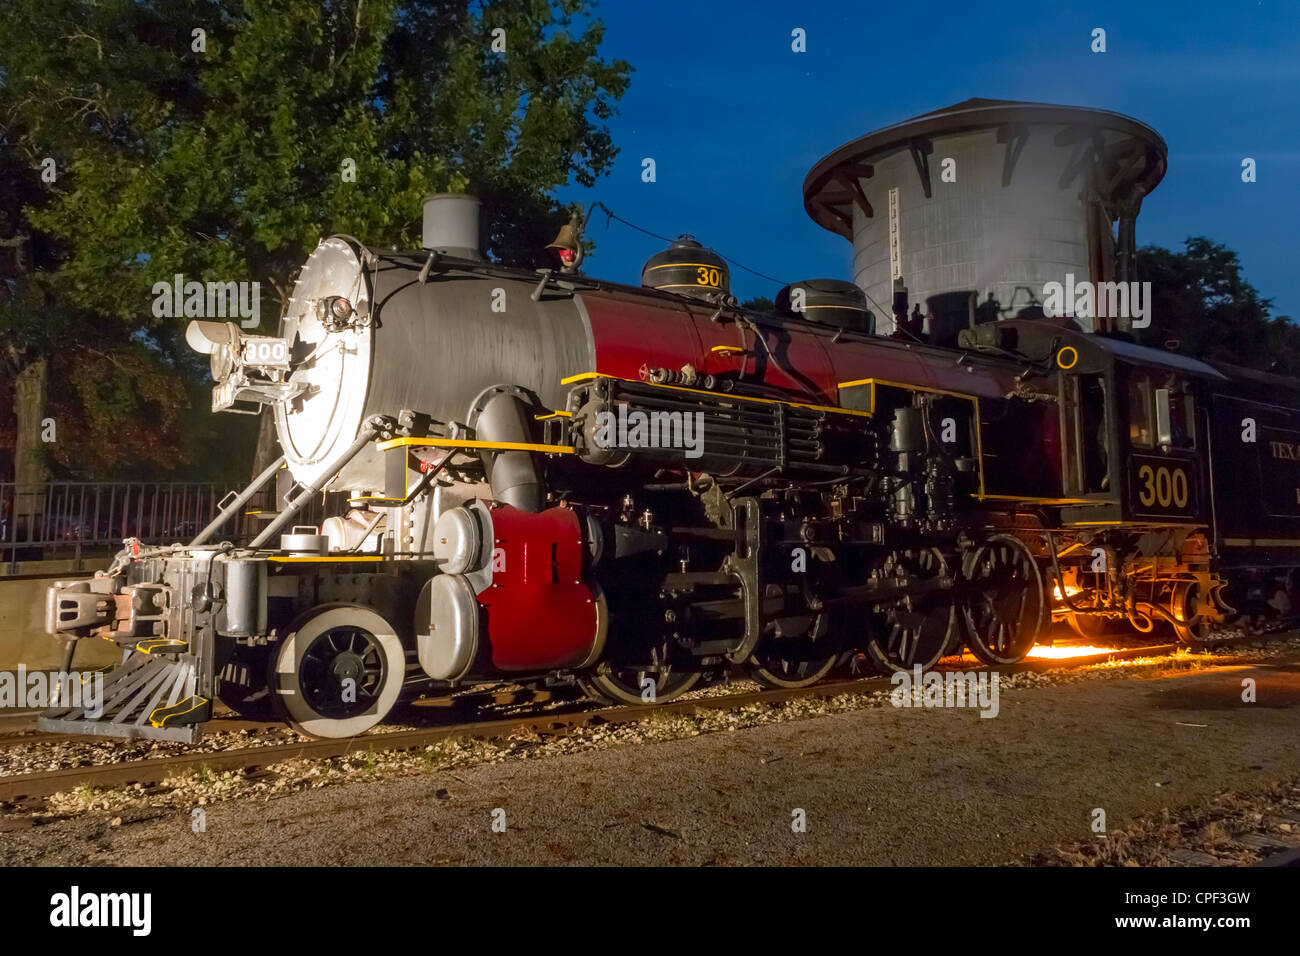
567,246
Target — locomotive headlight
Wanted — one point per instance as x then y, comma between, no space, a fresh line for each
341,308
216,339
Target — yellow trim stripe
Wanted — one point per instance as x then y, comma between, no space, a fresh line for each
873,382
167,717
542,418
464,443
1080,524
319,560
159,644
685,265
1031,498
1264,542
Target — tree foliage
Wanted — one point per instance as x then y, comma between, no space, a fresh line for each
226,155
1201,302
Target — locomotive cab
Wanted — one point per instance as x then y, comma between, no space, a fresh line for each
1158,472
1132,545
1131,449
1165,466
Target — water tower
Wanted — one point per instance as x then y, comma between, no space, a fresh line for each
991,197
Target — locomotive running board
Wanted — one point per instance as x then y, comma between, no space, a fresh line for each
147,697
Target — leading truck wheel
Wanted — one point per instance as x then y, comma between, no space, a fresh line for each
339,671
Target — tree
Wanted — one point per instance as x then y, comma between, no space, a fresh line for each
1201,301
221,139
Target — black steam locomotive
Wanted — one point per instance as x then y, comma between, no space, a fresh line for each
552,478
547,478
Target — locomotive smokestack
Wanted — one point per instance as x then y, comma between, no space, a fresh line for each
451,225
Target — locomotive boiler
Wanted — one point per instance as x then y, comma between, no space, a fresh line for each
553,479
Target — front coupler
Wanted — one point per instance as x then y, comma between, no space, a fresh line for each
163,607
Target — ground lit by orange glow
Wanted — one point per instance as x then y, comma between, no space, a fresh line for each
1070,650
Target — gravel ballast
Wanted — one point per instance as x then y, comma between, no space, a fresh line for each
876,784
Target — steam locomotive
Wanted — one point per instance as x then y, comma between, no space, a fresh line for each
555,479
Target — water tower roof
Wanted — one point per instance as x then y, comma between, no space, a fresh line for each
1129,156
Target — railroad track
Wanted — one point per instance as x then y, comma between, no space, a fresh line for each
218,725
154,770
234,724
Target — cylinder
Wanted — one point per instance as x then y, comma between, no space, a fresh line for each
245,610
448,617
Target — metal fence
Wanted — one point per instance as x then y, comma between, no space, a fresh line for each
82,519
62,519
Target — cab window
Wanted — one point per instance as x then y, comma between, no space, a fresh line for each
1141,412
1142,390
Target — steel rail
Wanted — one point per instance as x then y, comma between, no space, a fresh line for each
154,770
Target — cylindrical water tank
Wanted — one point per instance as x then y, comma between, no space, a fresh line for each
990,196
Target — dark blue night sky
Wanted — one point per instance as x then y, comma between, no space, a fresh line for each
734,119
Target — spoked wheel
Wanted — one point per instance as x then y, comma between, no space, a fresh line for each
796,659
800,649
800,665
917,629
1005,605
1195,633
1190,626
339,672
638,685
